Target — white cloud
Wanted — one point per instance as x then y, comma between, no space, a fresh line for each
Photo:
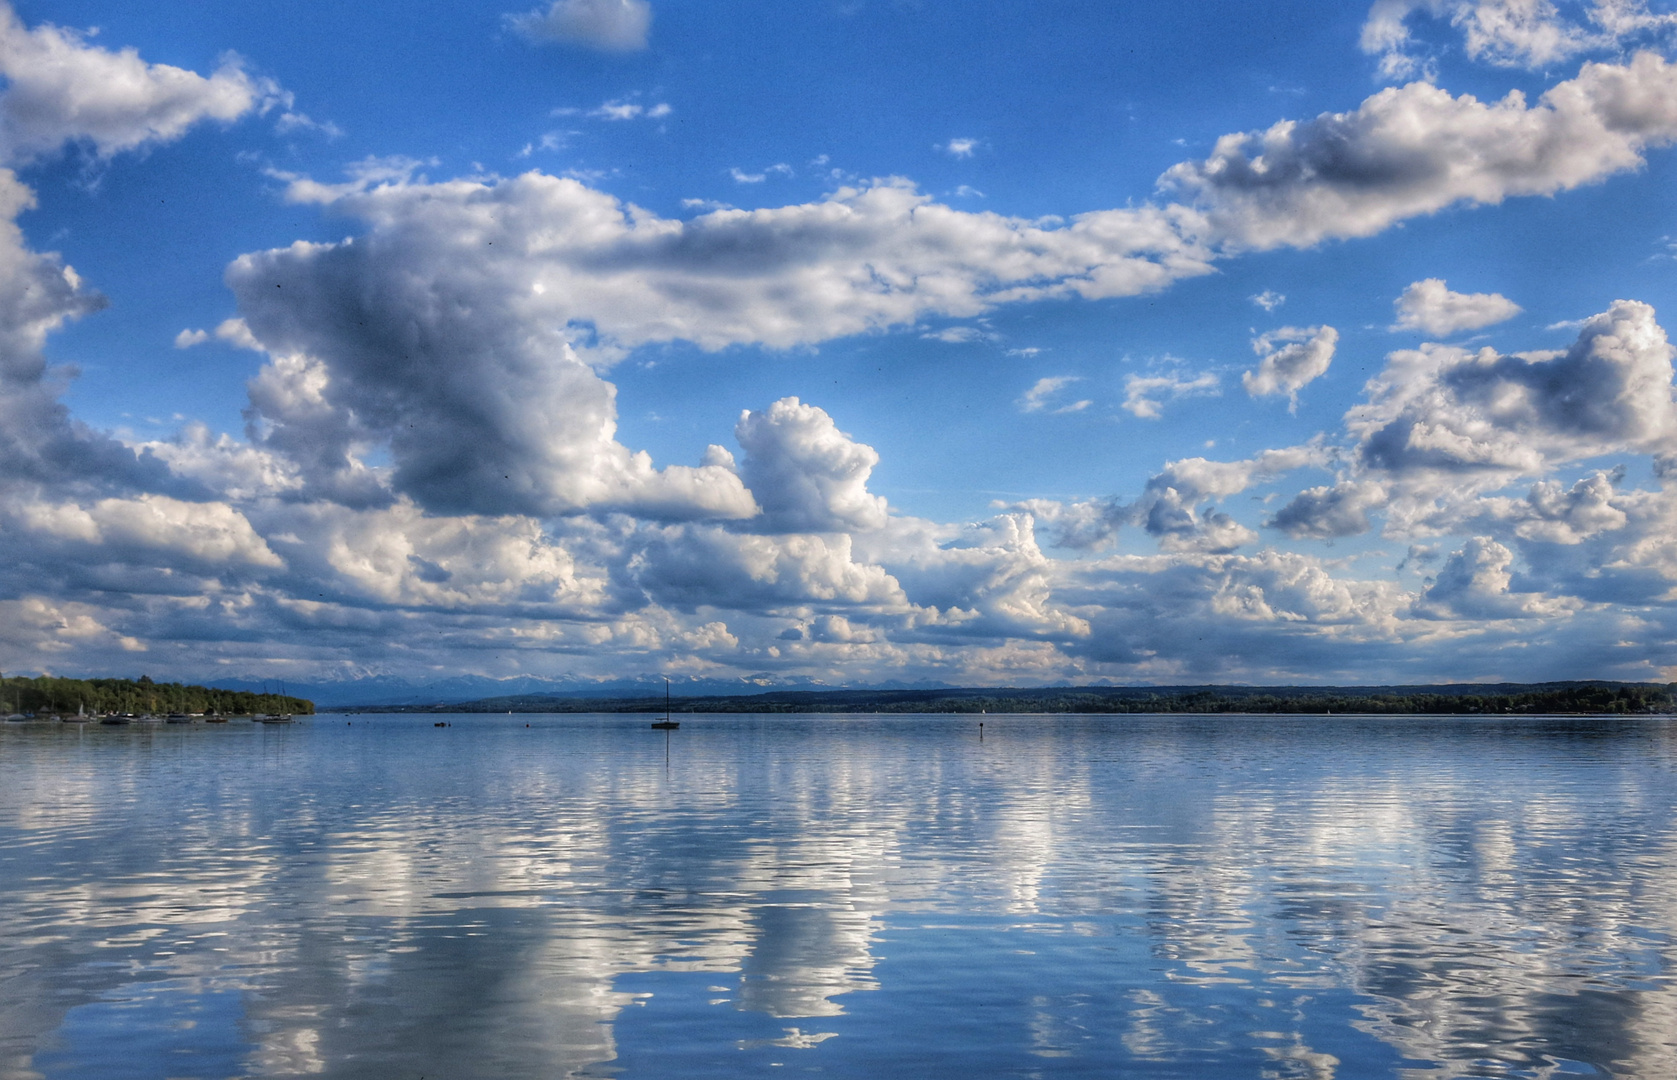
290,121
1510,33
607,25
1446,414
1290,359
806,474
1146,395
1475,583
1559,515
1169,505
482,402
959,335
233,331
960,148
1269,299
1430,307
1327,512
432,441
150,528
400,555
628,110
61,89
232,468
1086,525
47,630
1415,149
1036,399
692,566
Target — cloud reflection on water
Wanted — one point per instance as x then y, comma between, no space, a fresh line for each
1209,895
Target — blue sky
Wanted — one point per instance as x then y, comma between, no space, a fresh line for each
840,342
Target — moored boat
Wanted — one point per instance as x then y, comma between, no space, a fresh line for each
666,724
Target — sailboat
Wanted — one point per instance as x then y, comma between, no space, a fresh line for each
276,718
666,723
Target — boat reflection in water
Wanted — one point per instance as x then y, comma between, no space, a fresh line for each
1210,897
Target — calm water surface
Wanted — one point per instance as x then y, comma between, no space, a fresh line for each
858,897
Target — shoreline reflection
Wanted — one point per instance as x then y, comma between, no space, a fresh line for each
1294,896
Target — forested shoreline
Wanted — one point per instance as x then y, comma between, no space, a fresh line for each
1589,698
49,695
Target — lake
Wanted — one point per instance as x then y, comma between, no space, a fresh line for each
551,896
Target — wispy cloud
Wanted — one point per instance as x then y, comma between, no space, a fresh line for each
1146,395
1039,396
607,25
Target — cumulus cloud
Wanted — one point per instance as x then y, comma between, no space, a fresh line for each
1269,299
62,89
46,630
219,463
607,25
432,435
1432,308
1442,411
984,581
1085,525
152,527
687,567
1325,512
1414,150
483,401
400,555
1476,583
233,331
806,474
1556,514
863,258
1289,359
1202,615
1169,505
960,148
1146,395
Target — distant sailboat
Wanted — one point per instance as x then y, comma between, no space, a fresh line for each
666,723
276,718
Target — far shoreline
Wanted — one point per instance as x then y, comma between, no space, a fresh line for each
1577,698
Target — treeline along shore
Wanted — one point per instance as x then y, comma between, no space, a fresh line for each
1589,698
49,695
